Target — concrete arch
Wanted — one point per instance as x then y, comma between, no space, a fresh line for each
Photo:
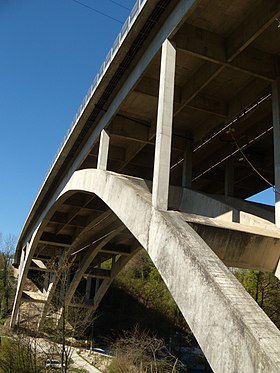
29,252
243,339
50,291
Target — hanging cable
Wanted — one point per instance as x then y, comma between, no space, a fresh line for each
97,11
233,153
237,118
120,5
240,149
230,130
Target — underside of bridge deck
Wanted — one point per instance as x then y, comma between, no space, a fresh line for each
222,101
227,59
189,109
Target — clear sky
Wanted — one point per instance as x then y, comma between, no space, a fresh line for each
50,52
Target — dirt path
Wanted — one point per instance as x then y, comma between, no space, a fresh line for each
81,363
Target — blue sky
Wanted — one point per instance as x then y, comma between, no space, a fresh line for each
50,52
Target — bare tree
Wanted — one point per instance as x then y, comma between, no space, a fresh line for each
65,322
139,352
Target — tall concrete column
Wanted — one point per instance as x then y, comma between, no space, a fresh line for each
164,126
103,150
187,166
276,137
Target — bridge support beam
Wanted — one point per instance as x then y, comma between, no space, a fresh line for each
276,137
164,126
88,258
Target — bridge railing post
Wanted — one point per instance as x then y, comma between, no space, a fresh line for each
164,126
276,139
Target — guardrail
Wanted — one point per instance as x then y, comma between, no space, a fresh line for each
110,56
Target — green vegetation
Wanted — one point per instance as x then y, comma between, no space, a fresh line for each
141,280
17,355
264,287
7,280
139,296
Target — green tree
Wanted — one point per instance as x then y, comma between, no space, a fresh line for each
141,280
264,287
7,280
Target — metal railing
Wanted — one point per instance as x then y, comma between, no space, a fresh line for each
110,56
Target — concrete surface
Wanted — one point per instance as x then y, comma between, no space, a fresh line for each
243,339
81,363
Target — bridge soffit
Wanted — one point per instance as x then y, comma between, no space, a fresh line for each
218,54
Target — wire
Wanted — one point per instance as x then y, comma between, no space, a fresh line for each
122,6
97,11
237,118
233,153
231,130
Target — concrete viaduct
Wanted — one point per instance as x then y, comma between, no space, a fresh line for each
180,126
